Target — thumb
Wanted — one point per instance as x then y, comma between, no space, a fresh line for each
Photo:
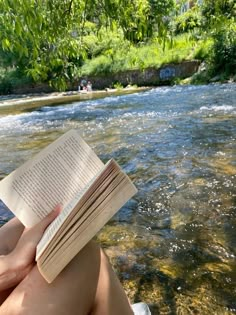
42,225
26,246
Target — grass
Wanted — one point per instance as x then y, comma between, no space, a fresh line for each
111,54
128,56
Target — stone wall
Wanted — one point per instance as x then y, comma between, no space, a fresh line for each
147,77
34,88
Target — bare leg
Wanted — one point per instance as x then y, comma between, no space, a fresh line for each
110,296
86,286
9,236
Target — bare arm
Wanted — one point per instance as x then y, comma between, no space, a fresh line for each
9,235
14,266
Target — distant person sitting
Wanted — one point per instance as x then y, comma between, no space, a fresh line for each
89,86
83,85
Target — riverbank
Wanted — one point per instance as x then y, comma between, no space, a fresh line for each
30,101
153,76
26,97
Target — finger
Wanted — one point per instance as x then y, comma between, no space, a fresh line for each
24,252
31,236
49,218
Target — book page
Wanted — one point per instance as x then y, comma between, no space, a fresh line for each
84,220
84,203
54,176
53,266
55,229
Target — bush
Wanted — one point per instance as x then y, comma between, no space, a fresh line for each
11,79
202,77
223,58
98,65
204,49
188,21
141,56
5,86
118,86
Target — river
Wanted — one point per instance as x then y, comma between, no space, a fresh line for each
174,244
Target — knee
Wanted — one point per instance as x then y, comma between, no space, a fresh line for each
91,251
88,259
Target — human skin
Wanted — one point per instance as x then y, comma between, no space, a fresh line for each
88,284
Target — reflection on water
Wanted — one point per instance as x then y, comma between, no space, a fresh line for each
174,244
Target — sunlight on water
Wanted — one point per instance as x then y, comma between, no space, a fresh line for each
174,244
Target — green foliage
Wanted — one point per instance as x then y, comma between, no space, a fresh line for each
56,41
201,78
142,56
39,35
219,24
188,21
204,49
5,86
223,58
45,38
98,65
118,86
214,12
12,79
139,19
105,41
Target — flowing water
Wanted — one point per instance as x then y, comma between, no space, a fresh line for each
173,245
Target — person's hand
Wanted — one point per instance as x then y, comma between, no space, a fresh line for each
22,258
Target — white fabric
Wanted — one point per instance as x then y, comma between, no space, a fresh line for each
141,309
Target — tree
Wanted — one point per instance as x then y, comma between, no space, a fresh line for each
40,33
219,22
45,37
189,21
215,12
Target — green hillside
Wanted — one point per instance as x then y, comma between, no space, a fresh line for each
58,41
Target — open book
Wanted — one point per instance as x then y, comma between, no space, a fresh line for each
67,172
